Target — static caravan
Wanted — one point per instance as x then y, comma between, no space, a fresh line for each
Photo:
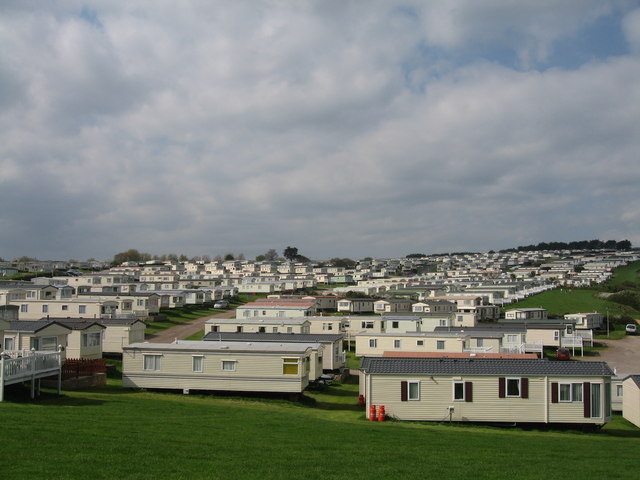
121,332
85,338
489,390
375,344
38,335
333,356
631,399
259,325
214,365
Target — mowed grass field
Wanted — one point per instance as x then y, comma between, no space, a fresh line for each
115,433
578,300
569,300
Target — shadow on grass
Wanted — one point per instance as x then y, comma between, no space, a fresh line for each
22,394
622,432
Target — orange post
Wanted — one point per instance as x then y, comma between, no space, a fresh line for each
372,413
381,413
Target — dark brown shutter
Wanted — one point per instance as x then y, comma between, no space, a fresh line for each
501,387
404,391
554,392
468,392
524,388
586,398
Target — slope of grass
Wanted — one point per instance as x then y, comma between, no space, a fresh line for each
170,317
627,274
175,316
570,300
114,433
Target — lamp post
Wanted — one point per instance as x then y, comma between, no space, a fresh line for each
607,323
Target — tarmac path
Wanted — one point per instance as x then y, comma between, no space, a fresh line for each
187,329
622,355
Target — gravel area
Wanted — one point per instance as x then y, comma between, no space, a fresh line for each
187,329
622,355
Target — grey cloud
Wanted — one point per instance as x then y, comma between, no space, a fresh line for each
202,129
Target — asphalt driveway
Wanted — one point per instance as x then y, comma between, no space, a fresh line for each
622,355
187,329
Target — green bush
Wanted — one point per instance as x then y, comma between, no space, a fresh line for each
626,297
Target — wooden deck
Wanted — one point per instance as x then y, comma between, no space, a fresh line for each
28,366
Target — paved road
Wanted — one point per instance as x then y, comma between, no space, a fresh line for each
622,355
187,329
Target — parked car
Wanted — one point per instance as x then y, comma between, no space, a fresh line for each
563,354
631,329
221,304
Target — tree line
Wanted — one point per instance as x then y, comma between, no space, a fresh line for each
578,245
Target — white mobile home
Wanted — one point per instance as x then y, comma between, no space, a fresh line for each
121,332
333,356
210,365
258,325
489,390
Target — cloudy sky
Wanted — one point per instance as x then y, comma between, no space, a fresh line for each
343,128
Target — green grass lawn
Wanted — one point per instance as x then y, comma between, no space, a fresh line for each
175,316
114,433
170,317
628,273
196,336
570,300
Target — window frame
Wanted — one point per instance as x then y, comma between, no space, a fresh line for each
91,339
157,362
226,363
509,380
416,394
396,343
440,344
373,343
460,383
195,359
290,362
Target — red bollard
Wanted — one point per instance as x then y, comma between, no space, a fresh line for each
381,413
372,413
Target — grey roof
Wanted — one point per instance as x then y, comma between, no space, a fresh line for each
488,328
119,321
77,323
260,320
31,325
402,318
481,366
116,294
273,337
635,378
231,347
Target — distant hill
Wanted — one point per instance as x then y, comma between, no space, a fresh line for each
579,245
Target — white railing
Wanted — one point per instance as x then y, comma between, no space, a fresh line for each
477,349
512,349
341,358
127,316
535,347
587,336
35,364
572,341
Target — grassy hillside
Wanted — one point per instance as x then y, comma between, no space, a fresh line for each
627,274
114,433
567,300
577,300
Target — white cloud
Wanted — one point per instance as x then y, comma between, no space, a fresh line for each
242,127
631,29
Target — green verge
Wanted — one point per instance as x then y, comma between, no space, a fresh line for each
114,433
570,300
170,317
